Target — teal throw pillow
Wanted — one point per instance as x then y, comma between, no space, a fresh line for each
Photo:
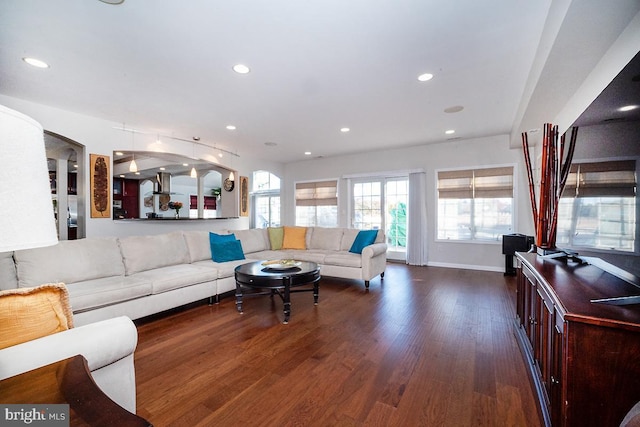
363,239
227,251
219,238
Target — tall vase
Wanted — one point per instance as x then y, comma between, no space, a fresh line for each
177,213
555,165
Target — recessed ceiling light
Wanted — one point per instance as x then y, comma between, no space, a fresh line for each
454,109
35,62
307,153
163,168
112,1
270,144
425,77
231,127
196,138
185,164
450,132
344,130
241,69
628,108
119,153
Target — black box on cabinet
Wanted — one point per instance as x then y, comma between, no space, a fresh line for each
512,243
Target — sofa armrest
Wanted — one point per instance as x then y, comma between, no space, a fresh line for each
374,261
108,347
374,250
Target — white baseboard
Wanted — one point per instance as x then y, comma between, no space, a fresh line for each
466,266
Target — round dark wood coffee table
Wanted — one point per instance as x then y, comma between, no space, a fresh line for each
278,280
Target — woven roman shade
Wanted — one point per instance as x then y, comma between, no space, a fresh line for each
603,179
476,183
320,193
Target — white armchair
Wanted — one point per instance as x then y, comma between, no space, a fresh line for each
107,345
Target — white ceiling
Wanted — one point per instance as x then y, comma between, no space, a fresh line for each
165,66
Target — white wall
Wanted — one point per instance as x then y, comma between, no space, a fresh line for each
100,137
448,154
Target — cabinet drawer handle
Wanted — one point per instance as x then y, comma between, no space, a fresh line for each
554,380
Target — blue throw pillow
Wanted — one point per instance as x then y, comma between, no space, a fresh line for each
227,251
219,238
364,238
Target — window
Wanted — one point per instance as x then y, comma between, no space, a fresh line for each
475,204
367,205
266,200
382,203
598,206
317,203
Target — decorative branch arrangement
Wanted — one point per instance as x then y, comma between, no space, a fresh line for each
554,171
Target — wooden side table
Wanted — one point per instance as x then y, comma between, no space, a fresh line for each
68,381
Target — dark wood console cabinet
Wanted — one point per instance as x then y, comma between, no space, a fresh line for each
583,357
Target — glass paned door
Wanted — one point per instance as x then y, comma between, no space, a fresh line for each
396,202
383,204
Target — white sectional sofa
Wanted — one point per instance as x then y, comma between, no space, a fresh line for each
137,276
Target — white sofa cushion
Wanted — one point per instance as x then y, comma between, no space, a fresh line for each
325,238
344,259
311,255
142,253
198,245
253,240
106,291
224,269
270,255
69,261
8,278
165,279
350,235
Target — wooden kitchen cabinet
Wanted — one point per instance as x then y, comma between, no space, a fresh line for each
126,195
583,357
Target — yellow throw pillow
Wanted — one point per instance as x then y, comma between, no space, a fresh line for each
294,238
30,313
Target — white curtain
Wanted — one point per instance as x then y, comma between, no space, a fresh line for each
417,218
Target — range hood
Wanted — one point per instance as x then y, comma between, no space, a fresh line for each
163,183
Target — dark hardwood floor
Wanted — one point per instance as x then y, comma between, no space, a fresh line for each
426,346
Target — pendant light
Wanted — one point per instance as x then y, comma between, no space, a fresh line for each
133,167
194,174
